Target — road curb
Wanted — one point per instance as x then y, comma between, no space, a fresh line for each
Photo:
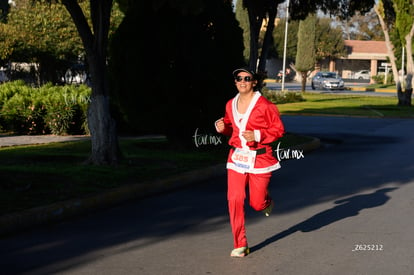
377,90
58,211
15,222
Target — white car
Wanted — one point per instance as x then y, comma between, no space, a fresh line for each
362,74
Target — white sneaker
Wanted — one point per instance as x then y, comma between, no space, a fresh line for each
240,252
268,210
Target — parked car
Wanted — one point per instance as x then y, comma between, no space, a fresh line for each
327,80
362,74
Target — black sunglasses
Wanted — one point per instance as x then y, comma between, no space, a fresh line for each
246,78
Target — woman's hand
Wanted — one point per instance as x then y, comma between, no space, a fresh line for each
220,125
248,135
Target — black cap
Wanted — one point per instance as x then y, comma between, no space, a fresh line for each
247,70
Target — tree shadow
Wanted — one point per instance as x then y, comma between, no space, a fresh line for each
345,208
360,158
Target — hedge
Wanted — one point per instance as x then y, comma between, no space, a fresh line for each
49,109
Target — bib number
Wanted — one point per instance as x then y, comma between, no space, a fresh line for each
244,158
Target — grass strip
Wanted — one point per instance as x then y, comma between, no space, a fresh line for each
348,105
38,175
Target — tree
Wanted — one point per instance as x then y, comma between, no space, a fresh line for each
404,23
243,18
386,16
305,56
43,34
258,10
329,40
105,147
404,28
4,10
363,27
178,79
292,38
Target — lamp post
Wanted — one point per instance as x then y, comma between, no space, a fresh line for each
284,47
402,69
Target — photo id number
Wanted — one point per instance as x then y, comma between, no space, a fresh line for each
368,247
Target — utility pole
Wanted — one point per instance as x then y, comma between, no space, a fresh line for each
284,47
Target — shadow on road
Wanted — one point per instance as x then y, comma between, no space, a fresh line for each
364,158
345,208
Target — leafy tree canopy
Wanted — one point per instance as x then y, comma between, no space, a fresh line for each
184,66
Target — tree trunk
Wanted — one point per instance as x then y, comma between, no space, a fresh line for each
303,75
255,24
268,39
390,47
405,91
404,97
105,147
410,62
257,11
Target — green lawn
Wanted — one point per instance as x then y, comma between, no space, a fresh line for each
42,174
348,105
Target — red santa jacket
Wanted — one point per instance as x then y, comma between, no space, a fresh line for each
262,117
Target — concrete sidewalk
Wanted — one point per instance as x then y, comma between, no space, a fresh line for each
6,141
23,220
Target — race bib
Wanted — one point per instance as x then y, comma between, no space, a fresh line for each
244,158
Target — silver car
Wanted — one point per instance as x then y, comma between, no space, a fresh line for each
327,80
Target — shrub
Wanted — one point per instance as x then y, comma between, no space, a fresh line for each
379,79
82,96
279,97
22,112
49,109
9,89
59,113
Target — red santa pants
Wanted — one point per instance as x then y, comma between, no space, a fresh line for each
259,199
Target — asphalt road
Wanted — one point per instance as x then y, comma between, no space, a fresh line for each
357,88
345,208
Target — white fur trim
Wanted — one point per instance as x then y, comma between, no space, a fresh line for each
242,125
257,135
